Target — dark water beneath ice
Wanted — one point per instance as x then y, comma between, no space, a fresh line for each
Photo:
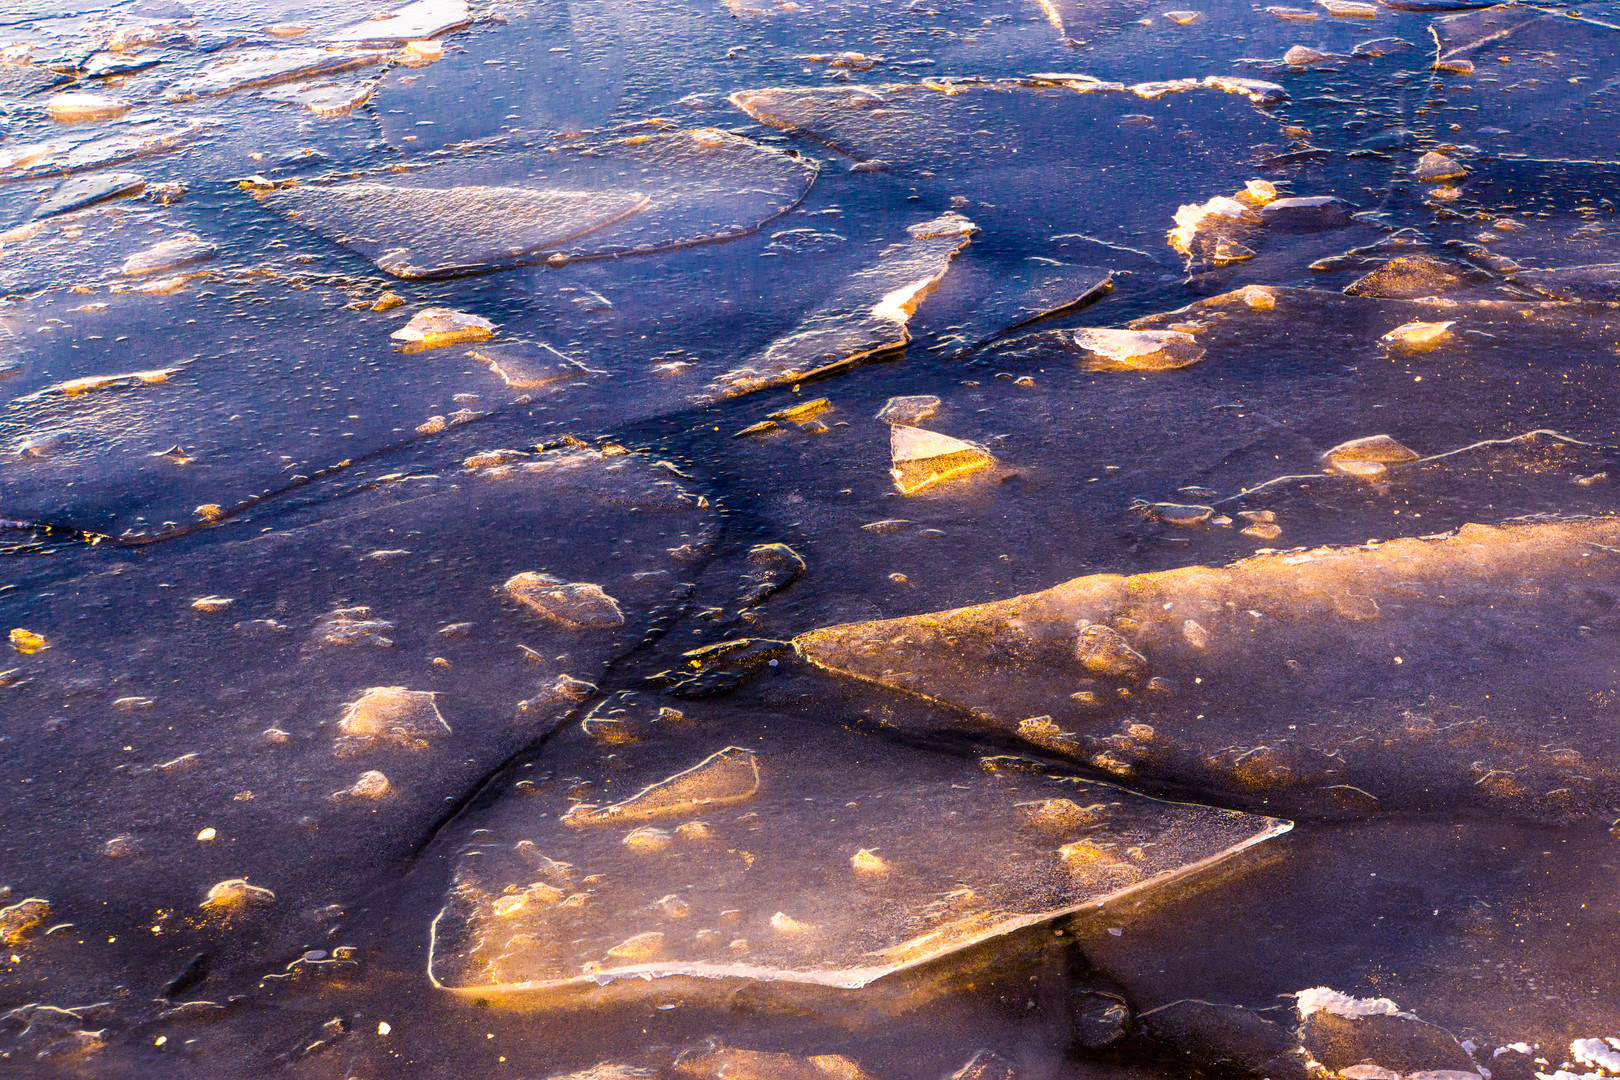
427,430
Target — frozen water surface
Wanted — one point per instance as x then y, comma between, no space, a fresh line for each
797,540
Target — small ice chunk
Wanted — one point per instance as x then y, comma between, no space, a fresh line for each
1104,652
911,409
922,458
1368,458
369,786
639,948
1435,167
211,604
182,250
1302,55
866,861
1182,18
235,894
1137,350
23,918
1417,336
574,604
1288,14
26,641
1349,9
325,99
436,327
390,715
76,107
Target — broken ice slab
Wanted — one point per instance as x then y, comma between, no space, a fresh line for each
1598,283
1368,457
269,705
814,861
633,195
1007,146
413,22
1215,674
923,459
868,316
82,191
267,67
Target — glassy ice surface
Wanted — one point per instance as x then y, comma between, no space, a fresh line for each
782,540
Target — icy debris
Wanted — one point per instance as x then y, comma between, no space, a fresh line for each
1418,336
436,327
413,232
868,316
1435,167
1217,232
530,365
1182,18
1409,277
923,459
1313,213
353,626
769,886
1289,14
21,919
1368,458
184,250
235,895
1349,9
267,67
370,786
423,19
77,107
573,604
390,716
1596,1053
1137,350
